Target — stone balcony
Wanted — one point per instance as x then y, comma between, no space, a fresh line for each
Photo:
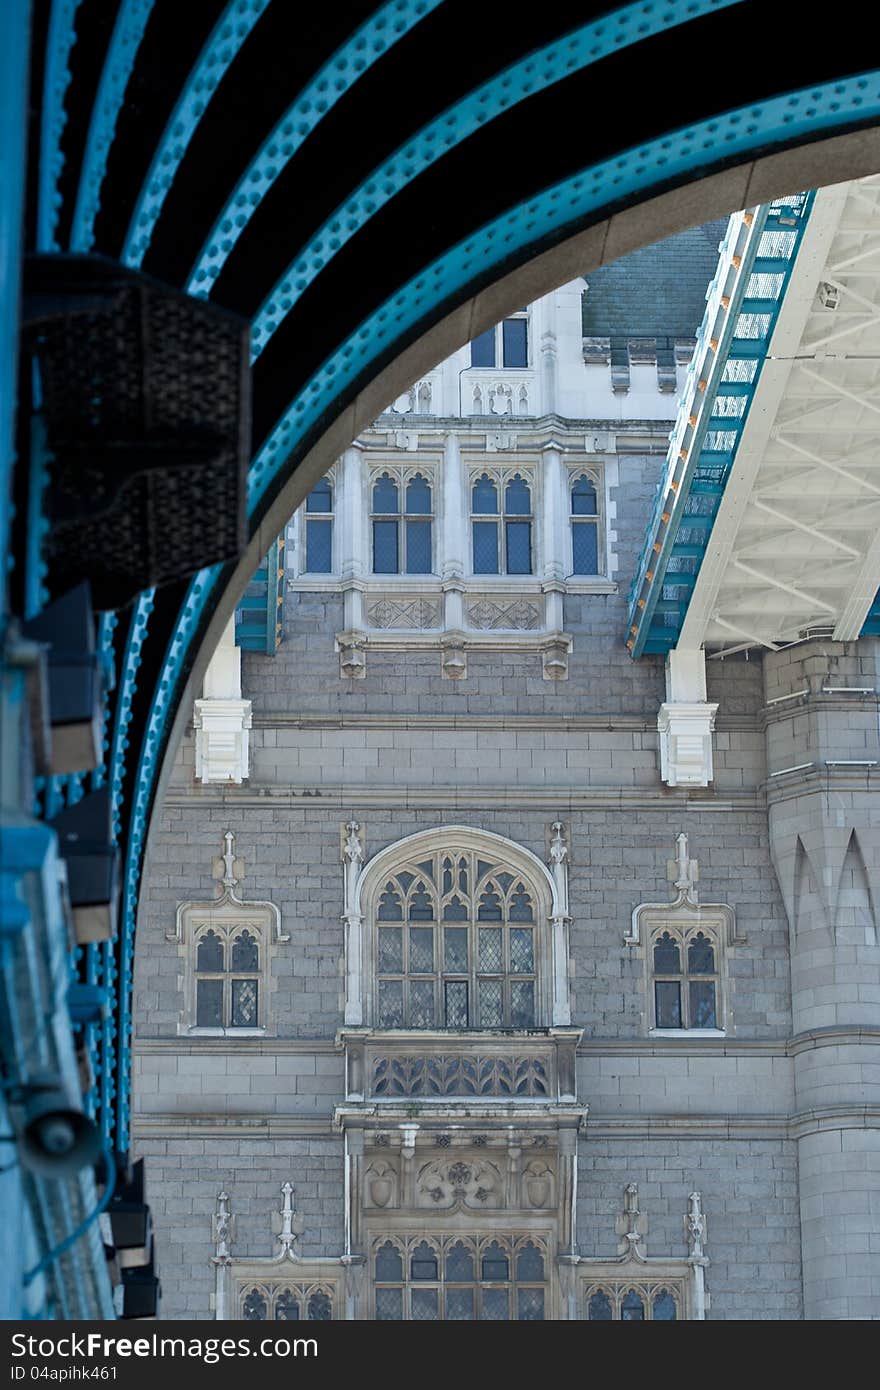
449,1067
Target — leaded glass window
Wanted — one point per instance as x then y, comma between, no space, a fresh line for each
402,525
501,525
584,526
460,1279
255,1306
319,529
455,945
685,979
227,980
632,1303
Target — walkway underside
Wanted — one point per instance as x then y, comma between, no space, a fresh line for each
773,486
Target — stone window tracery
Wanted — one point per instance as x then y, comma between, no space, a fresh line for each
226,946
685,978
456,945
633,1302
402,523
458,1278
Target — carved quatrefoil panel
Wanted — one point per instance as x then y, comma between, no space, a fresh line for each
476,1185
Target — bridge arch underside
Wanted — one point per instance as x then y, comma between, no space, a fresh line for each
406,209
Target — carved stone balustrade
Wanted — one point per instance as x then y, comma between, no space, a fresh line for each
440,1066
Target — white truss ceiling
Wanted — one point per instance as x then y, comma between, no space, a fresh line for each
796,543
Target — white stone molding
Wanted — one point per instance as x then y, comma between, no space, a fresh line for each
453,656
560,923
551,910
352,859
226,916
633,1270
683,918
222,719
283,1275
349,548
686,722
555,513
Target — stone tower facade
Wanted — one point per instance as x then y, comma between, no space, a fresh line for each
450,1002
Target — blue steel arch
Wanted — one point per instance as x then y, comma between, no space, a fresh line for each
519,232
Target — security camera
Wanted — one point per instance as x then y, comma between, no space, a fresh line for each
56,1141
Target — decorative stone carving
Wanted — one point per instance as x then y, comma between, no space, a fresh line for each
283,1286
560,922
352,657
519,614
459,1075
414,613
381,1180
287,1224
222,1230
683,870
631,1225
353,859
459,1184
453,659
227,917
685,907
695,1226
554,660
538,1184
500,441
558,857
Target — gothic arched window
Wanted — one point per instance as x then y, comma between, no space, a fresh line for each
402,534
456,944
584,526
319,529
501,525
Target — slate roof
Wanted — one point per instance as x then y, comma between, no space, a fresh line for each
659,291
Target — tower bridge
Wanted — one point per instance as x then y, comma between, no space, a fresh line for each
232,235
